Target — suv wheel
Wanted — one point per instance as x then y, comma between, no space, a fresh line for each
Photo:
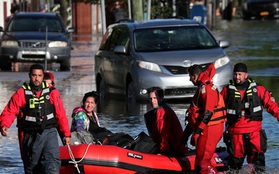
131,94
5,65
65,65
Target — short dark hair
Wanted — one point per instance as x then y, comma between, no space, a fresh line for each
240,67
36,66
158,91
195,69
93,94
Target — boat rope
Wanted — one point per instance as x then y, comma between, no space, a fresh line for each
73,158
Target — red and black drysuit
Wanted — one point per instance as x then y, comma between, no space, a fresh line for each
39,112
165,129
206,117
245,136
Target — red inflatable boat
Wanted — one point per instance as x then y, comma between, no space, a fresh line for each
105,159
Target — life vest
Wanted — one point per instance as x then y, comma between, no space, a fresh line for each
218,116
38,113
250,106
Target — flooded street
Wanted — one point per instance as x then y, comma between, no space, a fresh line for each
255,43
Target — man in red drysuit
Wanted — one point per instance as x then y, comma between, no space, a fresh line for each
163,125
39,111
206,117
244,135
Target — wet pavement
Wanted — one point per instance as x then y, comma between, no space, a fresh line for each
82,55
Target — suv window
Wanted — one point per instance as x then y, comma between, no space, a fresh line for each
173,38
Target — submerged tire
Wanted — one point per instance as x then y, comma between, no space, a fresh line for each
103,90
5,65
65,65
130,93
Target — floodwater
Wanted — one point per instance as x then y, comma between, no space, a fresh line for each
253,42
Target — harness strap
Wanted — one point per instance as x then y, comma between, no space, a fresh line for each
219,118
220,109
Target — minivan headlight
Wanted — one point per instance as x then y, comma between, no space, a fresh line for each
221,62
149,65
57,44
9,43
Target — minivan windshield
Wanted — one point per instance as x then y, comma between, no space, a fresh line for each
173,38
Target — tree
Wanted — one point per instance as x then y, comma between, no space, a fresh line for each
63,11
161,9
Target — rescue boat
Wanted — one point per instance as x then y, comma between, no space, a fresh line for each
106,159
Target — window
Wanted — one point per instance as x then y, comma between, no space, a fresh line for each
175,38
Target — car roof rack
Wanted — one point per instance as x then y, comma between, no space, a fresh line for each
176,17
125,20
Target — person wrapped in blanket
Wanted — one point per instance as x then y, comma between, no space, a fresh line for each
163,125
84,117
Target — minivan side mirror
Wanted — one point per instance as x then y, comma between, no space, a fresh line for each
120,49
224,44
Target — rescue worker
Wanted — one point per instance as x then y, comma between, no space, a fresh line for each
244,135
39,110
206,117
163,125
49,78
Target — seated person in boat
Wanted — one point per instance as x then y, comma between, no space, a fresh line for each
163,125
85,118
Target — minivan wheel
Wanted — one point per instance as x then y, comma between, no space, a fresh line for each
131,94
103,90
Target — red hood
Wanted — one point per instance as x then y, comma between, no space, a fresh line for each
206,77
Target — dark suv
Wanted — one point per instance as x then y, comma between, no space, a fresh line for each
35,37
134,56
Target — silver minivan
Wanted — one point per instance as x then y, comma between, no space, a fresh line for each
134,56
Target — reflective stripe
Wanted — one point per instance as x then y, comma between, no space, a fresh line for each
30,118
50,116
256,109
46,90
26,86
28,92
231,111
253,84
